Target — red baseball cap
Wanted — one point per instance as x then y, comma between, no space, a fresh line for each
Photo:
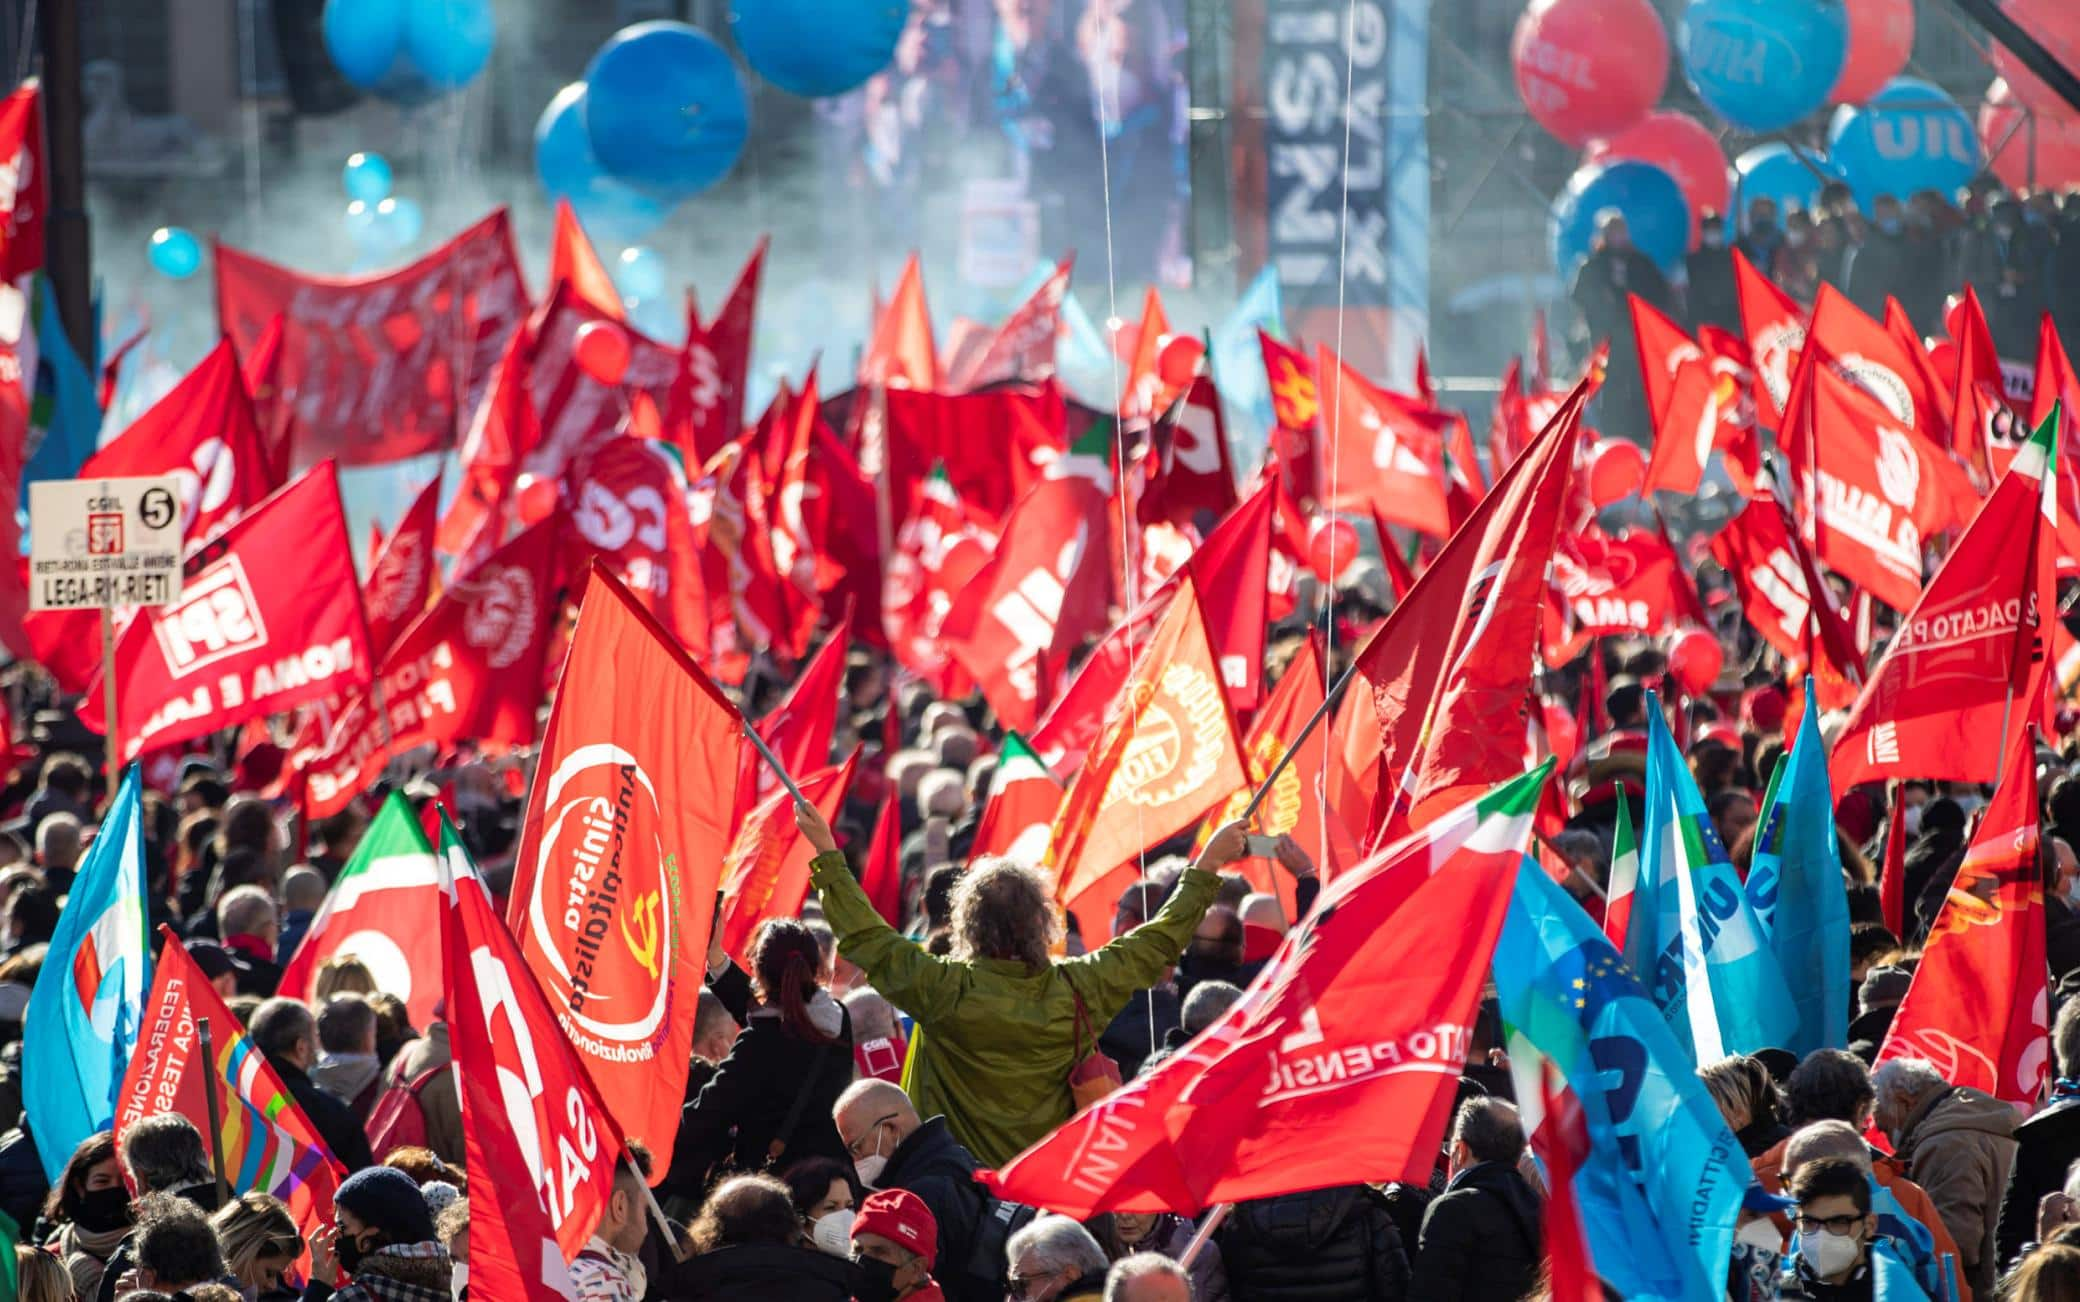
900,1217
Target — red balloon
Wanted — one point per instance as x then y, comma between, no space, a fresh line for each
1684,148
1694,661
1331,547
601,348
1179,358
1881,36
534,498
2040,150
1616,470
1589,68
2056,24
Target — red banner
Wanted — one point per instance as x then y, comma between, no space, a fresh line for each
371,366
249,635
400,575
765,874
22,185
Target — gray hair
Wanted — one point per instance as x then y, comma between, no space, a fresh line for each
1825,1139
1142,1265
1204,1006
1003,910
58,836
1906,1080
943,792
2065,1037
245,910
872,1015
165,1151
303,887
278,1024
1055,1243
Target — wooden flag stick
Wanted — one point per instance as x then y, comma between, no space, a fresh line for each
212,1107
1320,712
664,1227
786,779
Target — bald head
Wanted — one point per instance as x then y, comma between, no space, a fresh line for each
1825,1139
1261,910
869,1105
303,887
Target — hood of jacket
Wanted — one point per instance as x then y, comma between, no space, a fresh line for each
1962,1110
928,1150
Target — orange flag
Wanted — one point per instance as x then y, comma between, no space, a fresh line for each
901,355
572,258
1143,394
1295,803
1169,754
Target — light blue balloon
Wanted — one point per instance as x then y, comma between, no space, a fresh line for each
366,177
364,38
854,40
1656,213
175,252
360,223
1909,136
399,222
639,273
657,318
665,109
610,210
1775,172
1764,64
449,41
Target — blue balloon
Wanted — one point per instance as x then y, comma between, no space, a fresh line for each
398,223
854,40
1909,136
360,221
658,318
1764,64
364,38
1656,213
665,109
175,252
449,41
609,209
639,273
366,177
1775,172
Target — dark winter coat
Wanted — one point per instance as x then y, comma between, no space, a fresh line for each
2047,1144
333,1120
1480,1239
934,1165
754,1089
763,1272
1328,1245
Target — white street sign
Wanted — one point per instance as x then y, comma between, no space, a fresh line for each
103,543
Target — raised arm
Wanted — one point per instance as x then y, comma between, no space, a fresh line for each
1108,977
921,984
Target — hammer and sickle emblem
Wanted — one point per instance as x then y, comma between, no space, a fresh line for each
644,949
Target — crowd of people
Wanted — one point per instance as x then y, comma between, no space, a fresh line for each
2020,251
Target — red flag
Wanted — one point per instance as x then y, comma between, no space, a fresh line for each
1399,575
1873,490
1191,483
1296,412
1340,1062
1141,396
532,1120
1776,581
1982,427
882,879
469,669
1977,1009
1560,1137
266,1143
728,337
1892,878
262,367
1450,669
578,413
1024,345
996,447
629,512
1614,585
1380,451
1023,798
400,576
1295,804
1911,346
938,550
503,433
765,873
901,354
1426,388
23,202
615,877
798,729
1877,361
574,262
1169,755
1972,651
2056,382
1776,330
248,635
373,366
1046,589
1688,395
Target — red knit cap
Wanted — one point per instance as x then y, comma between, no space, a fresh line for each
900,1217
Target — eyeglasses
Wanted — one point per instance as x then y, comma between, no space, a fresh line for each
1021,1283
1832,1224
854,1147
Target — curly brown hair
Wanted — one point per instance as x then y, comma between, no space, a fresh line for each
1003,910
746,1209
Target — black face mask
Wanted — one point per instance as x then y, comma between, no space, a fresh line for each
100,1210
1210,963
1758,1136
873,1281
350,1253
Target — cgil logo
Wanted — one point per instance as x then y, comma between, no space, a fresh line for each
217,616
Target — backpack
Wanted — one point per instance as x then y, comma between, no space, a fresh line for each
994,1225
398,1119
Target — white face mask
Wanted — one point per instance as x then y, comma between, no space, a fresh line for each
2071,890
1829,1254
869,1168
833,1233
1910,821
458,1281
1761,1234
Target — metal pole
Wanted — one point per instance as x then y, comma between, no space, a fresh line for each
212,1106
1320,712
67,253
112,759
1205,1231
669,1231
2024,46
786,779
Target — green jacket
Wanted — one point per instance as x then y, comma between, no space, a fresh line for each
993,1046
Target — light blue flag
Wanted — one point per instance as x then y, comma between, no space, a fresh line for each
84,1010
65,405
1661,1187
1238,364
1795,887
1693,938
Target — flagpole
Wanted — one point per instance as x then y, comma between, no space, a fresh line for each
214,1109
1320,711
786,779
664,1226
113,759
1214,1217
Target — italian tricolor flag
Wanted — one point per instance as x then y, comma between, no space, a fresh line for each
1023,797
383,910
